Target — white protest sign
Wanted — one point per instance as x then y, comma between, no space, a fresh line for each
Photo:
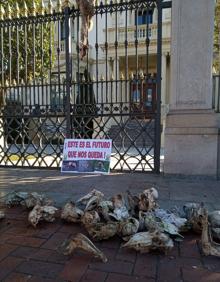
86,155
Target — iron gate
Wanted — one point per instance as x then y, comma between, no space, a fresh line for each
49,93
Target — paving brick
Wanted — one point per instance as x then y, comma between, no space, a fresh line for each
6,249
26,241
8,224
19,216
145,265
75,269
112,243
180,262
46,230
41,279
110,253
4,225
21,230
189,262
189,247
71,228
55,241
166,264
94,276
17,277
126,255
168,270
8,265
175,251
4,237
113,266
44,269
113,277
211,263
199,274
24,252
49,255
41,232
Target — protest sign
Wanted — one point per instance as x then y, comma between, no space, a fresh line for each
86,155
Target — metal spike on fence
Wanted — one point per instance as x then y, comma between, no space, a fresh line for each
66,4
33,9
141,75
6,83
59,6
30,81
14,82
75,4
8,12
74,79
22,82
2,13
25,10
122,76
17,11
50,7
102,77
42,8
112,76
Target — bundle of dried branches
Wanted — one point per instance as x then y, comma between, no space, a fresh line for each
27,200
71,213
194,213
150,241
209,247
86,8
40,213
147,199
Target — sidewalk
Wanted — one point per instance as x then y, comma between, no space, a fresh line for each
28,254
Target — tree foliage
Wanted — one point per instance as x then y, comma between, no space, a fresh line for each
28,45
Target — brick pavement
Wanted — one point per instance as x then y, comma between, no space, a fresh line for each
28,254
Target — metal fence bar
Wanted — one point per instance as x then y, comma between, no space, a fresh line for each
68,71
158,115
216,93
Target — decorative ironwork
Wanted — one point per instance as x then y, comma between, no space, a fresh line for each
48,93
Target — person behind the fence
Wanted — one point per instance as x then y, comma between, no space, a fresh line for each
83,125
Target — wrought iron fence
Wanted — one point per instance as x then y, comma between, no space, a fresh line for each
49,93
216,93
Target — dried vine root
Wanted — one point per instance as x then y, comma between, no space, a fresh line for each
81,242
209,247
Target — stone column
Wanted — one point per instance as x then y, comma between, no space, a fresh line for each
191,134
